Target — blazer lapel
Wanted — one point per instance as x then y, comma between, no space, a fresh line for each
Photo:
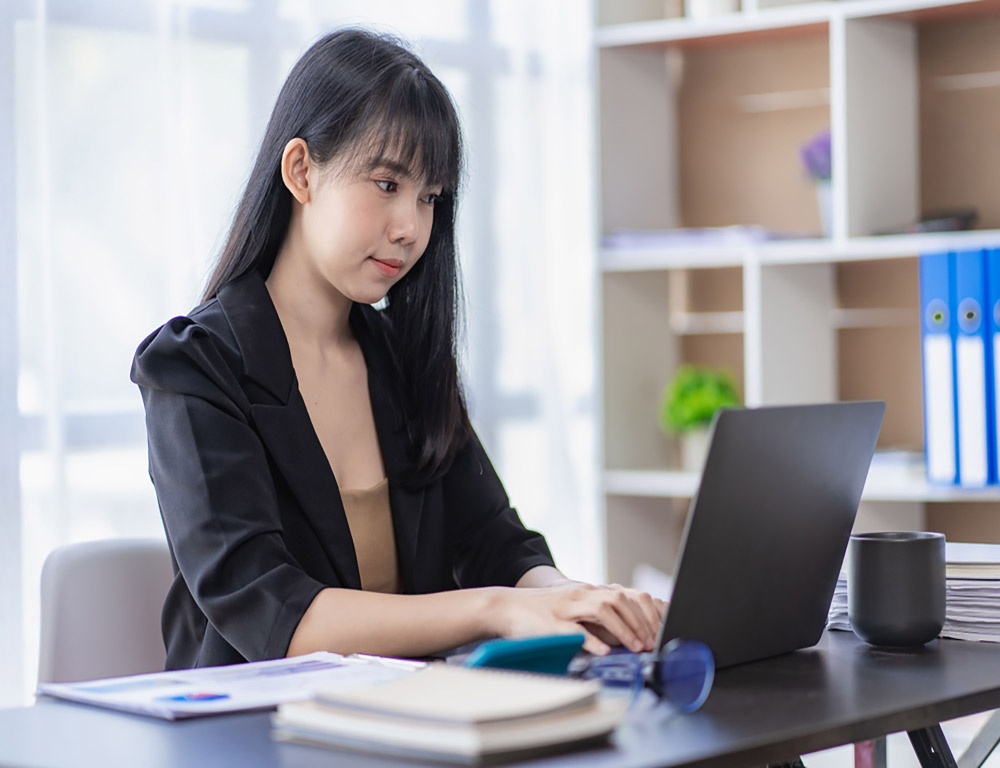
280,415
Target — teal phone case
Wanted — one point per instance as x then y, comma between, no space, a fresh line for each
549,654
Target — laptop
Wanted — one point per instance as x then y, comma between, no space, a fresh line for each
768,529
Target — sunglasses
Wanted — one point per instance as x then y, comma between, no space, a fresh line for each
681,673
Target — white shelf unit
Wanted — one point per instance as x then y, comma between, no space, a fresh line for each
700,126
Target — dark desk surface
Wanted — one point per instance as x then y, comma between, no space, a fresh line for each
839,692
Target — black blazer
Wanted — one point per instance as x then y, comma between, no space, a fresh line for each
250,506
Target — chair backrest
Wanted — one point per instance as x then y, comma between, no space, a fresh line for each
100,611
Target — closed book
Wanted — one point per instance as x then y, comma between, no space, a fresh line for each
456,714
973,561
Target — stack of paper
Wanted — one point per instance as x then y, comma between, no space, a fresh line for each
455,714
972,592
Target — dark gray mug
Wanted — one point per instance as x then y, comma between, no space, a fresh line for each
896,587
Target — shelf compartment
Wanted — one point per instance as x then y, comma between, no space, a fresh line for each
881,361
739,166
639,354
959,79
698,149
642,351
914,109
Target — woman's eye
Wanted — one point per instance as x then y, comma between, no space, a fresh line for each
431,198
385,185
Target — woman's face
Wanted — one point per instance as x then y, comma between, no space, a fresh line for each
365,229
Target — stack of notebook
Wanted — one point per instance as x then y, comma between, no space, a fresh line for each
455,714
972,592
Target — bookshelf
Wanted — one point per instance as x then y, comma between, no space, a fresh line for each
700,124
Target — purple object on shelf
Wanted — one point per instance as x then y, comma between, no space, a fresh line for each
816,155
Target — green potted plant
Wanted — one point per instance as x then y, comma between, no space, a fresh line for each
689,402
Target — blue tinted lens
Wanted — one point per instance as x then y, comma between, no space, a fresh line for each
619,672
685,673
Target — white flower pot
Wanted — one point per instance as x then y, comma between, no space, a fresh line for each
694,449
824,199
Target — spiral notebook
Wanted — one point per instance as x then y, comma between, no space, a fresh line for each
456,714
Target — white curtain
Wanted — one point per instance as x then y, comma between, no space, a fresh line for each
128,128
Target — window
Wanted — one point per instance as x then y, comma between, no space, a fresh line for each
134,124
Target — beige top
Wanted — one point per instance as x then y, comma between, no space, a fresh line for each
370,518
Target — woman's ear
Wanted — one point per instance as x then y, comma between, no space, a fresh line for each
296,170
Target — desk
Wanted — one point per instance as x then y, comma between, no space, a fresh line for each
839,692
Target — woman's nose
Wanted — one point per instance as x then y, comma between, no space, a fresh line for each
405,224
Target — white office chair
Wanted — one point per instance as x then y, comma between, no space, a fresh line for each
101,604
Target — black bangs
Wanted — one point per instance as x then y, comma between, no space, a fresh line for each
412,128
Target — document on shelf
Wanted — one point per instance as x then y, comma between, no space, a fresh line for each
233,688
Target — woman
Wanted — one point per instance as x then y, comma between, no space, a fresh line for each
319,481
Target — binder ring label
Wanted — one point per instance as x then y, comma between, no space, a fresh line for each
937,315
970,315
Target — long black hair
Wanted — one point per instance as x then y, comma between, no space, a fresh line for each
356,97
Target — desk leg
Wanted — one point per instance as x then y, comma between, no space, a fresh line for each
983,744
932,748
870,754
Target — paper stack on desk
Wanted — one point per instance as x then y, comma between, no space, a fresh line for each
972,592
457,715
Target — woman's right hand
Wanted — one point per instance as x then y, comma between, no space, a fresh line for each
603,614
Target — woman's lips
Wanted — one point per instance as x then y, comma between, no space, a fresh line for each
388,267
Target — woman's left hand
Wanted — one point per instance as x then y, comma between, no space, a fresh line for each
653,608
606,615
